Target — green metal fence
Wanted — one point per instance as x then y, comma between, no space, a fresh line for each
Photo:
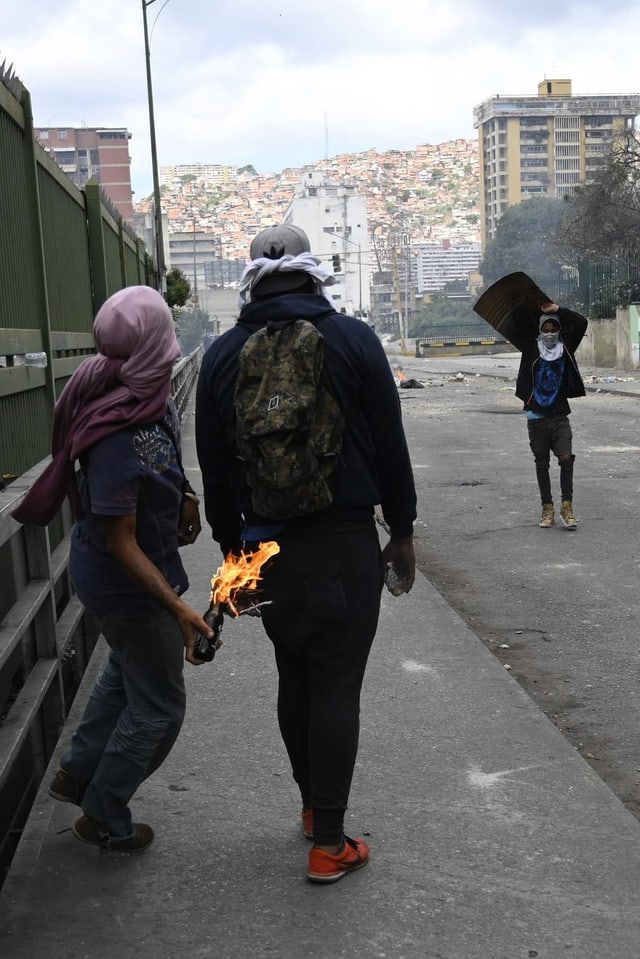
596,287
63,251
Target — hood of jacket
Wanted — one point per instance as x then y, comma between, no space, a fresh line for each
304,306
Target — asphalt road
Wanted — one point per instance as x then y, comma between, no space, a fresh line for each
558,608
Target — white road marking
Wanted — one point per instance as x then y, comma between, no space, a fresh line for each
489,780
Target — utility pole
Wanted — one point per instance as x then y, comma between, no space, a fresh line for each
195,269
161,269
407,279
345,239
396,278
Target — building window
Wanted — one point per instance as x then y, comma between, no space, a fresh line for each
62,134
65,157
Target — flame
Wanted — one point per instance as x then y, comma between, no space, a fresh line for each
401,374
240,573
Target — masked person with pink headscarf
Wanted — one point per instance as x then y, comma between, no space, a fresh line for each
133,509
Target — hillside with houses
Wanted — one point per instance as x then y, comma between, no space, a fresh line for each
430,192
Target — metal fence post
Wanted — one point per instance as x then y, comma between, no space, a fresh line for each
39,268
96,245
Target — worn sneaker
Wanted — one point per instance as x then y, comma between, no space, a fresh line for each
307,823
329,867
88,830
566,515
547,516
63,787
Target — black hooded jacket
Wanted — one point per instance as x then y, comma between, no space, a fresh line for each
573,326
375,467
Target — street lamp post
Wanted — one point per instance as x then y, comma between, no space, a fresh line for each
161,279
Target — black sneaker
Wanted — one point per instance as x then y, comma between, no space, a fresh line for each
63,787
90,831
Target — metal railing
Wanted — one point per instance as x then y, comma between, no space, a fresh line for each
46,641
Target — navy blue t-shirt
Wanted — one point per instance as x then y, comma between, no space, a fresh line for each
547,381
134,471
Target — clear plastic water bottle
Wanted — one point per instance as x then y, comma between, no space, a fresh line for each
394,583
35,359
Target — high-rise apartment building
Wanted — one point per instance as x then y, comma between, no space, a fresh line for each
544,145
207,174
334,217
87,153
434,265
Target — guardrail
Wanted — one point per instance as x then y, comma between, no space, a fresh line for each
46,641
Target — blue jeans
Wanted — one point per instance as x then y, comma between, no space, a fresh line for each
132,719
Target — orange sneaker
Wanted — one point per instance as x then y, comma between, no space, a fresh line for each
327,867
307,823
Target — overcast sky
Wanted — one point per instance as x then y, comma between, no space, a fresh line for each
284,83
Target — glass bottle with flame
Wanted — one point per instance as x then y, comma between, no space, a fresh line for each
233,588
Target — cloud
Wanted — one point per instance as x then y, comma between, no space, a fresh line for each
278,85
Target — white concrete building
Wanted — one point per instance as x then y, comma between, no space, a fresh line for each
334,217
436,264
210,174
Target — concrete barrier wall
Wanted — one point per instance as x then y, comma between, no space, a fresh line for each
612,343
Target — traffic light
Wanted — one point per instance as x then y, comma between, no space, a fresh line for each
336,262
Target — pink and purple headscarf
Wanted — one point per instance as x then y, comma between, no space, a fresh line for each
127,382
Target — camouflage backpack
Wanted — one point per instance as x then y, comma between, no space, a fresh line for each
288,425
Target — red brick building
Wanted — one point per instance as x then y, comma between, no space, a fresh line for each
98,153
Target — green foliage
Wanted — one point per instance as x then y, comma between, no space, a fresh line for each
178,288
191,326
248,168
628,292
149,270
440,313
526,239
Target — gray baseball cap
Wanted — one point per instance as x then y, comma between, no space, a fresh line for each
277,241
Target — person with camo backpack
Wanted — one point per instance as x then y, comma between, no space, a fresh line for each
310,481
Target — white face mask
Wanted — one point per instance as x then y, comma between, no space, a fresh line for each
549,340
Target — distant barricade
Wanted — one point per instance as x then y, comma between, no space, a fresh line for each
462,336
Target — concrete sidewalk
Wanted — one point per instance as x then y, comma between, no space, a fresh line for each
491,838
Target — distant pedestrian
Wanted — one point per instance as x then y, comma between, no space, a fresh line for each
548,376
133,511
325,584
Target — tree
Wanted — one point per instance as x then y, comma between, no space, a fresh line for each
526,239
603,218
192,324
178,288
442,312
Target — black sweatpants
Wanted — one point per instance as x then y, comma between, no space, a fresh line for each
325,586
